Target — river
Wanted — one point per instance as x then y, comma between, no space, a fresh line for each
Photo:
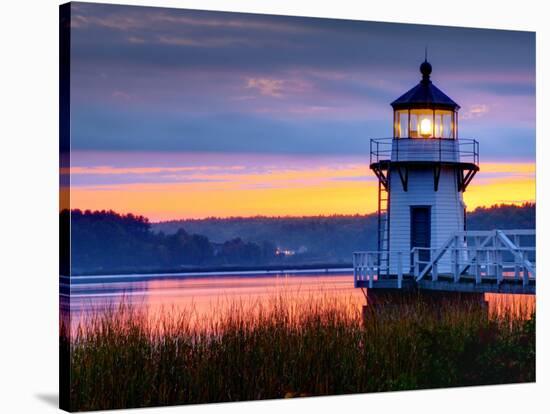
206,294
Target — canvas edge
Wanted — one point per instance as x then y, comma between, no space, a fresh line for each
64,204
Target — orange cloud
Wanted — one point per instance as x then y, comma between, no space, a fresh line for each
195,200
497,183
237,191
108,170
507,167
499,191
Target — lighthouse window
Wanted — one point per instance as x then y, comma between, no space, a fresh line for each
444,124
401,127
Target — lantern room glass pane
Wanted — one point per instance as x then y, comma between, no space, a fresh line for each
444,125
425,123
455,125
401,127
422,123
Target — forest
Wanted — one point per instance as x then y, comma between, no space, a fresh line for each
105,241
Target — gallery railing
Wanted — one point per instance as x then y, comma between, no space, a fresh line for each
424,149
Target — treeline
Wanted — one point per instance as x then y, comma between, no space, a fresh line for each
317,238
107,241
503,216
333,238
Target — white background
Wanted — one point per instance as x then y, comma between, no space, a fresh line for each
29,203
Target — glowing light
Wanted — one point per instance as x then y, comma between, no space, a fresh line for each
426,127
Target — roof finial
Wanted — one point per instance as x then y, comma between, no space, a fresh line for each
425,67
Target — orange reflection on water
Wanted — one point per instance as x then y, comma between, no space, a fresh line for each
207,300
516,305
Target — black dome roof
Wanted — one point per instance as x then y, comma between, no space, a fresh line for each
425,94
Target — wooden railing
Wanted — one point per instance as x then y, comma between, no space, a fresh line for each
375,265
496,255
483,254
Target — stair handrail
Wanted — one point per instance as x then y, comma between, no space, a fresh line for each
516,251
490,235
436,257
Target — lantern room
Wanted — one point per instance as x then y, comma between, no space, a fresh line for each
425,112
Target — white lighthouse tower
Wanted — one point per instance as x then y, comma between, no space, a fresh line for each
423,243
423,172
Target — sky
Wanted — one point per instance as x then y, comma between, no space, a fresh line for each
178,113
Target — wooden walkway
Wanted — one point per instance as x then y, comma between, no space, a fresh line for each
496,261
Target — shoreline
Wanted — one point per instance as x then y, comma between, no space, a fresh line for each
221,271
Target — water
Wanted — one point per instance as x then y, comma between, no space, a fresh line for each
206,294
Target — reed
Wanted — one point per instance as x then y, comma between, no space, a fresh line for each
284,347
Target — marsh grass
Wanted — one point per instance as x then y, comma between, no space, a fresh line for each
285,347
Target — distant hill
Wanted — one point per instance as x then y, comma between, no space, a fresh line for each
502,217
330,237
333,237
105,241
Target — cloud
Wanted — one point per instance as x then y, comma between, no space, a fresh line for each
122,96
175,185
119,22
277,41
136,40
278,172
151,79
508,90
110,170
475,111
211,42
95,128
268,87
230,20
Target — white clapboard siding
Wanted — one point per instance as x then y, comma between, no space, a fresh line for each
447,210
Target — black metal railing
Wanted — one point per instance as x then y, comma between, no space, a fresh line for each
461,150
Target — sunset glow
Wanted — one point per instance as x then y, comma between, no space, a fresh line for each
205,185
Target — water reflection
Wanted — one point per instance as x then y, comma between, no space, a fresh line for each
207,296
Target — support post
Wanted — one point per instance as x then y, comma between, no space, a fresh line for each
517,266
455,264
355,269
477,266
498,261
370,275
488,269
416,257
399,270
494,256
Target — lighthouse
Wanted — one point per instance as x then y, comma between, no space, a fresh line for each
423,172
424,244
